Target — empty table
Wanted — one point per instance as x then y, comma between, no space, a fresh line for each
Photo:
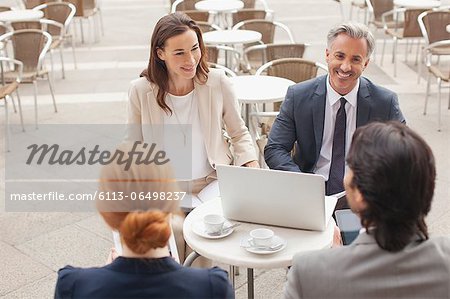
417,3
223,8
20,15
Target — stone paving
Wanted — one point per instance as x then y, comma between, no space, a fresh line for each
33,246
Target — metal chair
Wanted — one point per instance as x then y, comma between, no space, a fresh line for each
438,73
213,54
266,28
30,47
6,92
409,31
88,10
360,6
182,5
62,13
197,15
207,27
248,14
257,55
227,71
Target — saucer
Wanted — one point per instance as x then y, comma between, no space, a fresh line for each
246,243
198,228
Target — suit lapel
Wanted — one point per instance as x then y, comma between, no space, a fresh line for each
318,104
154,111
363,103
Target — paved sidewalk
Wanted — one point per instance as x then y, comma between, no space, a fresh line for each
33,246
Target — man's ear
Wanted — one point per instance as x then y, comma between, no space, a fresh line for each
359,201
327,54
367,62
161,54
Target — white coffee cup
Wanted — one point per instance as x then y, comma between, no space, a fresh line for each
213,223
262,237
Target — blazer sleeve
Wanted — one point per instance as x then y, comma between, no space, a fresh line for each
244,151
65,282
277,152
293,288
220,285
396,113
134,123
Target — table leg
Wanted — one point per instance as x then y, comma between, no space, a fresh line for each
250,286
190,259
231,275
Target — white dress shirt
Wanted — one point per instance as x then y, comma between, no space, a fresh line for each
331,107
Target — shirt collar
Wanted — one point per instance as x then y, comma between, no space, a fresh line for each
334,97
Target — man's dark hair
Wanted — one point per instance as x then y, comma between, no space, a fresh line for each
394,169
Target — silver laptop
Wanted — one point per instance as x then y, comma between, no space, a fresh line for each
274,197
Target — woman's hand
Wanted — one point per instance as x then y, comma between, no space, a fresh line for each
253,164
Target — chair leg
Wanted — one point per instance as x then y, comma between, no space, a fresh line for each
6,125
417,52
62,61
394,56
81,30
20,109
14,104
382,51
51,91
35,104
100,15
427,93
419,67
72,41
439,81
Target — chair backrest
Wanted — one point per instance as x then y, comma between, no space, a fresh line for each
379,7
4,8
248,14
227,71
20,25
411,25
29,47
213,52
249,3
433,25
295,69
207,27
197,15
181,5
3,28
266,28
256,56
61,12
55,29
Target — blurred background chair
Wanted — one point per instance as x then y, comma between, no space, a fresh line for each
248,14
440,73
207,27
266,28
214,52
62,13
227,71
182,5
433,25
257,55
6,91
90,11
360,6
29,47
197,15
410,31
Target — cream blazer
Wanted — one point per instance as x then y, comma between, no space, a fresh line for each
218,109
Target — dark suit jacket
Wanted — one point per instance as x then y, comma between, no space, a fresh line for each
302,116
142,278
364,270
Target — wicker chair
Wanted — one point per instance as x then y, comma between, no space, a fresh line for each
62,13
360,6
257,55
409,31
266,28
433,27
227,71
213,53
248,14
197,15
6,92
207,27
88,10
30,47
182,5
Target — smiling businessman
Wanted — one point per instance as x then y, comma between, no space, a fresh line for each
320,115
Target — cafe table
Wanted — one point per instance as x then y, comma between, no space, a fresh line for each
222,8
253,90
21,15
227,250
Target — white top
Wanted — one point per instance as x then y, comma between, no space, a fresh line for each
228,250
417,3
332,105
260,89
21,15
231,37
185,112
219,5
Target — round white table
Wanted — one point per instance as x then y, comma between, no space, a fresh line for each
21,15
219,6
231,37
253,90
417,3
227,250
